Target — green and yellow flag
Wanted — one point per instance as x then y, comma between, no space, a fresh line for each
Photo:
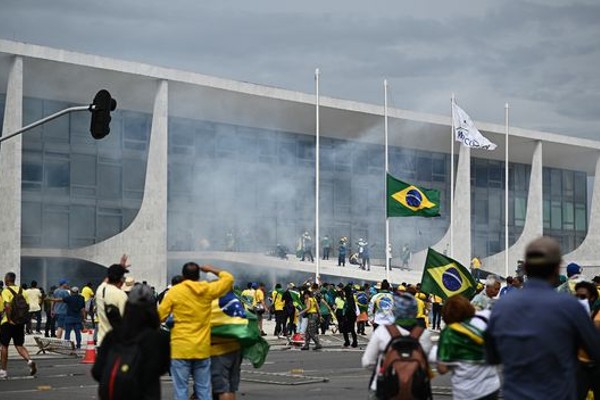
446,277
406,200
230,320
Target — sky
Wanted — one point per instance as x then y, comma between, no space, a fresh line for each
540,56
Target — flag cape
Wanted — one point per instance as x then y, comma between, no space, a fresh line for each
466,132
446,277
230,320
406,200
362,301
297,300
461,341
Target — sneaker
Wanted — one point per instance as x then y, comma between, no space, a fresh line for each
318,347
304,348
354,345
32,367
3,374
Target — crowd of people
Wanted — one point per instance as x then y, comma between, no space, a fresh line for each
543,329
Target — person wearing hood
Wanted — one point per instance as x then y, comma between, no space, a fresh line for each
190,303
574,276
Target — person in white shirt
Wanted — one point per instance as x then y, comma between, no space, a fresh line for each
109,293
34,299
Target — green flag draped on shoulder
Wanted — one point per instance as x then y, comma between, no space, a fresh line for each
406,200
446,277
230,320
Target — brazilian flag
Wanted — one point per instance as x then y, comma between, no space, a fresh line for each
406,200
446,277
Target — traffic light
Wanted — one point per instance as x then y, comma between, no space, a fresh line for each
101,108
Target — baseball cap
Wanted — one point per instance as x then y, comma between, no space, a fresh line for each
129,283
63,282
543,251
573,269
74,289
141,295
291,285
116,272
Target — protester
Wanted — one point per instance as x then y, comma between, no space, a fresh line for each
574,276
307,247
110,300
75,315
486,298
311,312
88,295
436,311
290,311
461,352
259,306
381,306
350,314
535,332
342,252
588,373
140,333
11,329
34,297
190,303
279,307
50,326
404,314
326,245
59,308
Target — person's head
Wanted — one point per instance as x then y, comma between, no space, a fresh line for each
596,280
261,285
74,290
89,284
542,259
457,309
278,286
10,278
24,286
314,287
191,271
517,282
586,291
573,269
411,290
63,284
33,284
140,312
385,285
290,286
129,283
404,309
116,275
509,280
176,280
492,286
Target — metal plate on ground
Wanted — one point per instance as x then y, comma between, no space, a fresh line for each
275,378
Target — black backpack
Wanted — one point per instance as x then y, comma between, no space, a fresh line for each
404,371
122,372
18,309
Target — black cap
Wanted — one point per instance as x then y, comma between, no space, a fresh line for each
116,272
141,295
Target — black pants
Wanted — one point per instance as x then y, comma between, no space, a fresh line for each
325,253
366,263
50,325
588,378
280,327
309,253
38,318
436,311
350,329
289,325
341,260
361,327
325,323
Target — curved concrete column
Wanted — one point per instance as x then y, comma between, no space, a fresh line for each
588,253
145,240
462,216
10,174
534,220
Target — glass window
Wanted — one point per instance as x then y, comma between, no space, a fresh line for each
136,126
287,153
82,222
108,225
556,215
31,219
109,182
580,218
567,183
56,130
580,187
83,169
32,171
547,212
57,174
424,169
568,215
134,176
556,183
520,211
56,227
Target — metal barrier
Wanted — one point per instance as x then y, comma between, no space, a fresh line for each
54,345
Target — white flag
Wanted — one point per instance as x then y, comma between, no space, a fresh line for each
466,132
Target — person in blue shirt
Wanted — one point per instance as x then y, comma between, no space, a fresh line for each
535,333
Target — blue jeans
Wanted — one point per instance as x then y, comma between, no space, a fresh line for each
76,327
200,371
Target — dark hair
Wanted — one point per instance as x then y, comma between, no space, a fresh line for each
596,279
176,279
385,285
351,305
541,271
457,309
249,285
191,271
278,286
33,284
10,277
24,285
509,280
136,318
590,287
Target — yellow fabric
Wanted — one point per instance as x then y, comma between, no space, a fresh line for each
220,346
248,297
582,354
259,297
421,310
7,297
475,263
278,302
111,295
190,304
87,293
461,329
312,305
436,299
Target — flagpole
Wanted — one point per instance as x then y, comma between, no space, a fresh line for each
317,237
452,177
506,190
387,220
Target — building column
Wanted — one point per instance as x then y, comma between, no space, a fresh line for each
534,220
145,240
10,174
588,253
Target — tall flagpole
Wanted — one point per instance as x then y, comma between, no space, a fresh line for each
387,220
452,177
506,190
317,237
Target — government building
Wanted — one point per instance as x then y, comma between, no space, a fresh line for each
209,169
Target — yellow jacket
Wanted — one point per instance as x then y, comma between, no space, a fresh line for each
190,304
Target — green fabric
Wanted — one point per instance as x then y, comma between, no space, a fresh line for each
455,346
446,277
406,200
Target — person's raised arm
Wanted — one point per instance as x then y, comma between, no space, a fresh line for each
221,286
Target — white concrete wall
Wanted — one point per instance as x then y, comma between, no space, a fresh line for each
534,221
10,174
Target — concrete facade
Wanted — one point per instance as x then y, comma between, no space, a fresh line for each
191,95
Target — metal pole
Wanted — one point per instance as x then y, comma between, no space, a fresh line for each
317,237
387,220
46,119
506,191
452,177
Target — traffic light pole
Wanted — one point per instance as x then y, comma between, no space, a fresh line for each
47,119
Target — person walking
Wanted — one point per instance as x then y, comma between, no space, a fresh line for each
59,309
50,327
535,332
381,306
34,297
311,312
307,247
12,325
588,373
486,299
190,303
75,315
350,313
326,246
279,307
290,311
259,306
88,295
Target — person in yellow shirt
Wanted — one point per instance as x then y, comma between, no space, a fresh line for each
9,330
88,295
259,306
278,306
312,313
190,303
475,267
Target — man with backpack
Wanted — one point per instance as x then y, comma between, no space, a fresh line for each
12,326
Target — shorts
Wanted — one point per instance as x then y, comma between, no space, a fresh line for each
225,372
60,320
9,332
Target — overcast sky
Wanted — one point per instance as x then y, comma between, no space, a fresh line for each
540,56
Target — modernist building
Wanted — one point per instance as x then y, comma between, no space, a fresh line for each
197,164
